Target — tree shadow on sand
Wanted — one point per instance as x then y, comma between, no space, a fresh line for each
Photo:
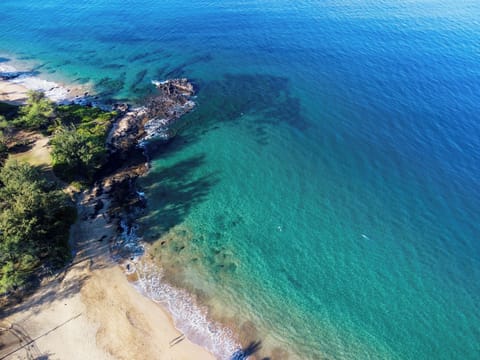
175,190
59,286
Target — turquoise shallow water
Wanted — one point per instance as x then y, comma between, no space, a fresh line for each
323,197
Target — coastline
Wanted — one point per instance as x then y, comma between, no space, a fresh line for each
322,198
12,93
128,144
15,84
90,310
93,296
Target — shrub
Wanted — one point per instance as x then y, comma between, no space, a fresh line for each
35,217
37,113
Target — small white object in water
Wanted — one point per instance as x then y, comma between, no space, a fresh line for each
158,83
279,228
365,236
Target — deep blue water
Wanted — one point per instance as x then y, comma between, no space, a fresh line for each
326,188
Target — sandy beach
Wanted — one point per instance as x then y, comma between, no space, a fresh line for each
12,93
15,91
89,310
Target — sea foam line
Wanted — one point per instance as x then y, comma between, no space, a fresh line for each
188,317
52,90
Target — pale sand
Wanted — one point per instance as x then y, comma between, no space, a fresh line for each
12,93
15,91
91,311
39,154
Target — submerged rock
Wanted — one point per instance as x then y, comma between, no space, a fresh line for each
9,75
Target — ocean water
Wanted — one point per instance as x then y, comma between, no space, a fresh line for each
324,196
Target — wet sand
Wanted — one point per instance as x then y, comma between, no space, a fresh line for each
90,310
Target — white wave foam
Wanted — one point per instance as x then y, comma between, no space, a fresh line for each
158,83
188,316
52,90
55,92
129,240
4,68
158,128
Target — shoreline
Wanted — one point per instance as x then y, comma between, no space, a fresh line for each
90,310
130,134
94,274
16,83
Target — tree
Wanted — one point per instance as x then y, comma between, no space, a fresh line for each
37,113
34,220
3,148
3,123
76,154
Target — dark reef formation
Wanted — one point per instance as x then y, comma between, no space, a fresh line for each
155,119
163,110
127,156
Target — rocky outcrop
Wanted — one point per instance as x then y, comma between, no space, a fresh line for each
127,130
173,99
163,110
155,119
127,160
9,75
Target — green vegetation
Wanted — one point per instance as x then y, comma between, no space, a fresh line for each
3,148
35,217
37,113
78,146
5,130
75,154
79,134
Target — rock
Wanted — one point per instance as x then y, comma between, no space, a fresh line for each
122,108
8,75
98,206
164,109
155,119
